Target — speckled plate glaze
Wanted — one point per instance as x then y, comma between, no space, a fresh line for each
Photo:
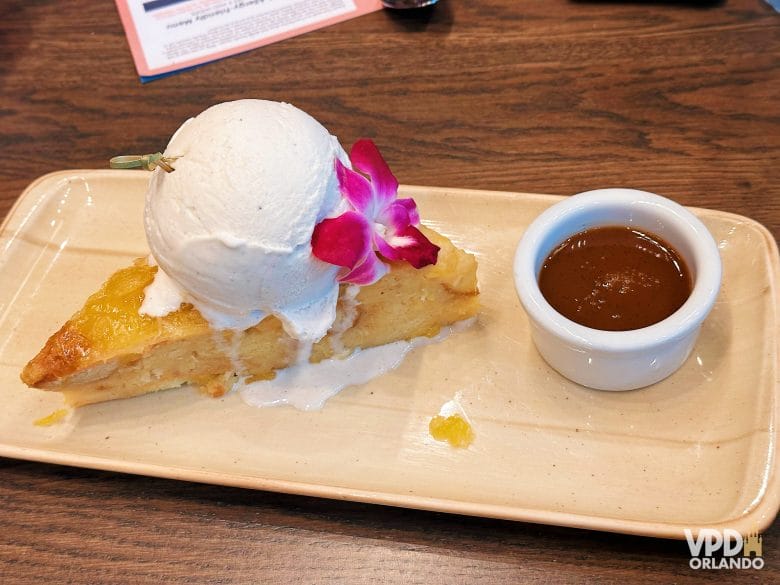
695,450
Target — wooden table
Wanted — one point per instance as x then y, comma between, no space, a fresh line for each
682,99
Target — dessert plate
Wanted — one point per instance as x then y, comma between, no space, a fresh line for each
695,450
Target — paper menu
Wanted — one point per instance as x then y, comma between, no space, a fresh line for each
166,36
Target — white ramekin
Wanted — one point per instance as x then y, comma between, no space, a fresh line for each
617,360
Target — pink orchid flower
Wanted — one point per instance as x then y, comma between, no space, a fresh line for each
377,223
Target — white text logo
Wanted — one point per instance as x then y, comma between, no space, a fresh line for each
734,550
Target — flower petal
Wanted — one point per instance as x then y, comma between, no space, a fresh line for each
368,272
409,244
411,208
395,217
365,156
344,240
356,189
386,249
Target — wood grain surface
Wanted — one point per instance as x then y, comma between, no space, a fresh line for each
682,99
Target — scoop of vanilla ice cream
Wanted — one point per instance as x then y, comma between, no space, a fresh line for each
231,226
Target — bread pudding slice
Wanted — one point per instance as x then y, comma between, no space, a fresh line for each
107,350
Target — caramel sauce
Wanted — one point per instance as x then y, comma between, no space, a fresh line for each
615,279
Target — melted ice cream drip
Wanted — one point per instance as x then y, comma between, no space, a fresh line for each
308,386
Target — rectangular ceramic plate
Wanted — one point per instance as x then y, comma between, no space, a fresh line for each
695,450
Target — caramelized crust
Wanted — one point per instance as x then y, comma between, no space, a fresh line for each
61,356
108,351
